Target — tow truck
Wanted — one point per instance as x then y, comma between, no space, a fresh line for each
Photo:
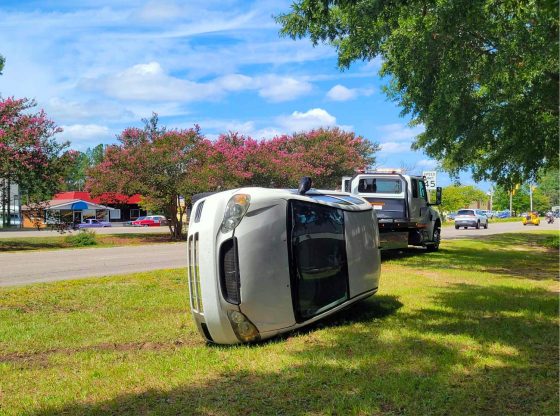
401,202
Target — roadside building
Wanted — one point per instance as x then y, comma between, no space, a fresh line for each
76,207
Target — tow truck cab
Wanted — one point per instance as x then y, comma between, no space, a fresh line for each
401,202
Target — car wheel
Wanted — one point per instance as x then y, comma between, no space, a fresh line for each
486,225
477,225
456,227
436,238
465,227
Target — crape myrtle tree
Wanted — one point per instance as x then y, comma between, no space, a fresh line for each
480,75
29,153
323,154
160,164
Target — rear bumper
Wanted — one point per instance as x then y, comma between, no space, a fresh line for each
466,223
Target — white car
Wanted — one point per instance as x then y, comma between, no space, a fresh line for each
266,261
470,218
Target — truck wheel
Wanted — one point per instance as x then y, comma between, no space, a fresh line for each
477,225
436,238
456,227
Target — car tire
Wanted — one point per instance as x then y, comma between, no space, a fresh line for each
486,225
436,237
465,227
456,227
477,226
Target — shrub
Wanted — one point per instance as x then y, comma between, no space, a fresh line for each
82,239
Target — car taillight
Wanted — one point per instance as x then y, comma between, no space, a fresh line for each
229,271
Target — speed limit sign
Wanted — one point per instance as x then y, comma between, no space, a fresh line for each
430,179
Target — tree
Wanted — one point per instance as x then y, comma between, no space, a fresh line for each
548,184
2,62
324,154
29,153
76,172
162,165
521,200
481,76
455,197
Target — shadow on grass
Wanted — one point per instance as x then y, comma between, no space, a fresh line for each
477,350
520,255
23,245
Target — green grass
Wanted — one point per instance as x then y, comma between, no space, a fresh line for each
69,241
472,329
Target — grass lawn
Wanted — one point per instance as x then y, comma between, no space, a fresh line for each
60,242
470,330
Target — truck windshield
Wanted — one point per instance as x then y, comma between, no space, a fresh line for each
380,185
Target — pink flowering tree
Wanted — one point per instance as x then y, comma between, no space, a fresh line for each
29,153
165,166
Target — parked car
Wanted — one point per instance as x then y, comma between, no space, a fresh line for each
488,213
451,216
503,214
93,223
470,218
150,221
531,218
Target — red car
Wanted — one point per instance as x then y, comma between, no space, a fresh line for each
150,221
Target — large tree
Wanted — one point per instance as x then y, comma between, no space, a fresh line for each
30,155
460,196
480,75
162,165
323,154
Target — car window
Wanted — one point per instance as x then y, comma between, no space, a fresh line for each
422,189
465,212
414,185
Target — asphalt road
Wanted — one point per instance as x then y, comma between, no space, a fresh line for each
45,266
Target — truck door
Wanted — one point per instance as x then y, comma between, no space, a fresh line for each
419,209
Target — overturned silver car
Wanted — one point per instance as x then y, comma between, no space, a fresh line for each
266,261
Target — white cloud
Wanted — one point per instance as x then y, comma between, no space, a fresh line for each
276,89
159,11
341,93
427,163
84,135
311,119
398,132
395,147
149,82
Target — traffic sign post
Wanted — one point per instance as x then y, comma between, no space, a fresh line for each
430,179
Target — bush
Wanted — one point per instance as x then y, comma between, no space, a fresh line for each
82,239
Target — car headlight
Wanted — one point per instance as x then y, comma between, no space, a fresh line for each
236,208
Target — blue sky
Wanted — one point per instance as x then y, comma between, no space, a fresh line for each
97,67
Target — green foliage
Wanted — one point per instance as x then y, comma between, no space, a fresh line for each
2,62
455,197
549,185
77,169
82,239
481,76
521,200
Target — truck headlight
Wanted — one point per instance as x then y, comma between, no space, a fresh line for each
243,328
236,208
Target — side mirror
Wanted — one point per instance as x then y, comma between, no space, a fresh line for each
304,185
438,195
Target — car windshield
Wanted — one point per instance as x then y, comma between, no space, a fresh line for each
140,218
465,212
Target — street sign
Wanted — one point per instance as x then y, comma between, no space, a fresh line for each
430,179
